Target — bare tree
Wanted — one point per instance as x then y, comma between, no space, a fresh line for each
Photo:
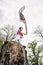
39,32
7,33
22,18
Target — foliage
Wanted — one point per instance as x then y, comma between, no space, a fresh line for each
33,46
1,43
35,52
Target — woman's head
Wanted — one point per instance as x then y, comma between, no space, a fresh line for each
20,28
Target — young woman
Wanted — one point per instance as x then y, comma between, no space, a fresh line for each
19,34
22,19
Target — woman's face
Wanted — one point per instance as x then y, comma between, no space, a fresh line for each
21,28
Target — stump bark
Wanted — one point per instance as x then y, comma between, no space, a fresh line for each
13,53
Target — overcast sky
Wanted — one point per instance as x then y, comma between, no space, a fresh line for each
33,13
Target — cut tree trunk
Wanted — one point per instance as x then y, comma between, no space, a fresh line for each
13,53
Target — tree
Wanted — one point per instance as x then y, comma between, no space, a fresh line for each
34,57
7,33
39,32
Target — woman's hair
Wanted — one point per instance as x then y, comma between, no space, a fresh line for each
20,28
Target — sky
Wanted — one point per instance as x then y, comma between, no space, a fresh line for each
33,13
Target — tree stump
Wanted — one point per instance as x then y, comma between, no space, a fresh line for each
13,53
